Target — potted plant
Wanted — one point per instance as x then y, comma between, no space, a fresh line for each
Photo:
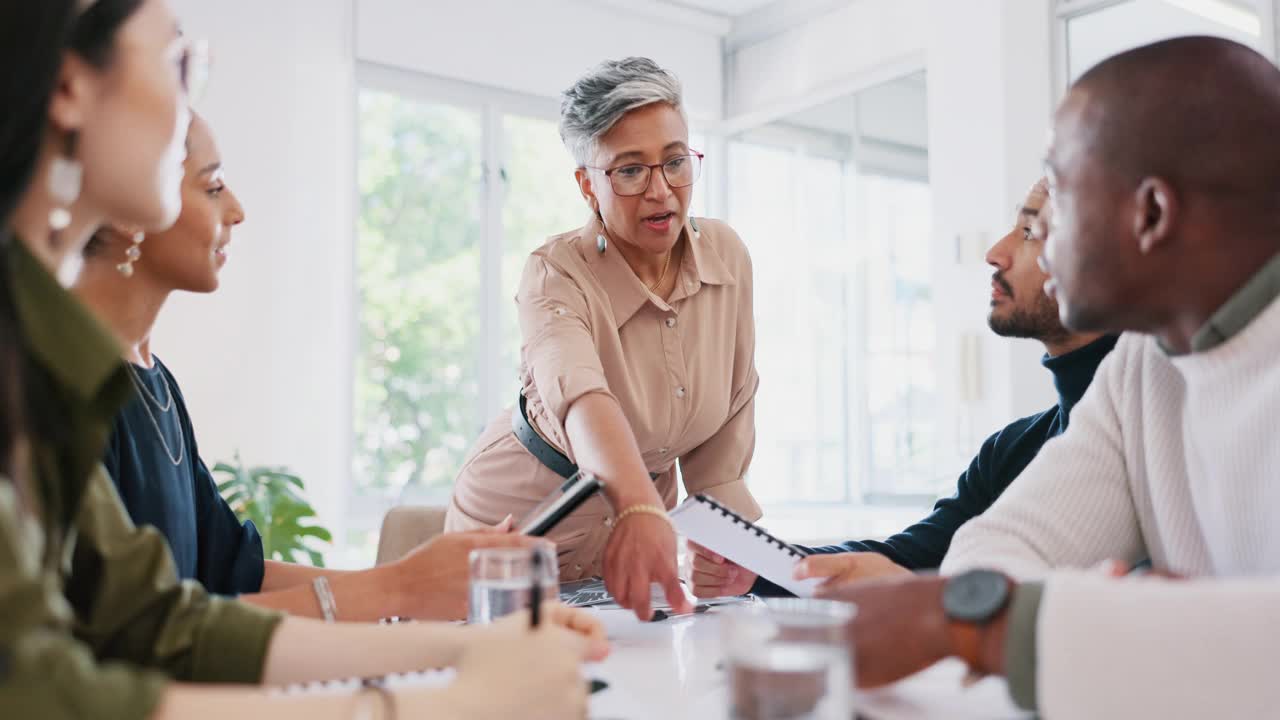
272,498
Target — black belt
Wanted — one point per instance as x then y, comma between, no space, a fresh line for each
546,454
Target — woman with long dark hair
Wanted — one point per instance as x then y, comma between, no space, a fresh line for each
93,620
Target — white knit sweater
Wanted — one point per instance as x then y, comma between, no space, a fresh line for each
1176,459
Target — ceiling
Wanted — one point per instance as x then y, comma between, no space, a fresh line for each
726,8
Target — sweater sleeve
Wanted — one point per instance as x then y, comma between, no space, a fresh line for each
1195,648
1072,506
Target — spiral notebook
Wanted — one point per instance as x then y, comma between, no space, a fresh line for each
724,531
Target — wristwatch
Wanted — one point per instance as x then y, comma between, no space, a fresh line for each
971,601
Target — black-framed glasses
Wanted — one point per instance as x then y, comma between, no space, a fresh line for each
633,179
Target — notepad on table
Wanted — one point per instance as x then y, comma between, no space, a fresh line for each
727,533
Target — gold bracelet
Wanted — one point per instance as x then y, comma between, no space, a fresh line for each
643,510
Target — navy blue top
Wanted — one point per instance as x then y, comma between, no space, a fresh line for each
1002,458
180,500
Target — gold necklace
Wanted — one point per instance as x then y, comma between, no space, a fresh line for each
665,267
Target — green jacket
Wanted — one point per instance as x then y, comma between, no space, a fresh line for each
93,619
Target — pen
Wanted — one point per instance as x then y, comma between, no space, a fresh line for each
535,589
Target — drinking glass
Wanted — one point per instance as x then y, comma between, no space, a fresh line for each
502,581
789,659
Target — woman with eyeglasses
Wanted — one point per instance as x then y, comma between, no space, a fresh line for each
94,622
638,344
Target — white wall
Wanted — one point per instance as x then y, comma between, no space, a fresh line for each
989,109
538,47
264,363
850,48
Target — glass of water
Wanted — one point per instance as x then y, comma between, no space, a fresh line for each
789,659
502,581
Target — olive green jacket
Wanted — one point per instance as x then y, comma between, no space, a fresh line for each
93,619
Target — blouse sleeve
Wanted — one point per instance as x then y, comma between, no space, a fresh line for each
125,627
559,348
231,557
718,467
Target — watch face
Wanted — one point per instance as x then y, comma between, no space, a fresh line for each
975,596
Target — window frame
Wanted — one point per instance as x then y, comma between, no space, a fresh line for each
1066,10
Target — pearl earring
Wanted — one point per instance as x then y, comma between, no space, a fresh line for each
66,175
132,254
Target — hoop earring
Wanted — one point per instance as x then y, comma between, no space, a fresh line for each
66,176
132,254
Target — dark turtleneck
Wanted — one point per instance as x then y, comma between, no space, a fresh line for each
1002,458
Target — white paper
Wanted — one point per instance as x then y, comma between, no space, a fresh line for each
707,524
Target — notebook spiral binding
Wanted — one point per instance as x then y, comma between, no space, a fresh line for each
759,531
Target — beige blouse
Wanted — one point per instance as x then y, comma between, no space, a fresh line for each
682,370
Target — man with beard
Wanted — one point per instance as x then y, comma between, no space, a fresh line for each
1019,309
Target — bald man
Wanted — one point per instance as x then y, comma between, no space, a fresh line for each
1165,193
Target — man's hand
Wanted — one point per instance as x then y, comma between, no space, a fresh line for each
715,576
642,550
431,582
900,628
843,568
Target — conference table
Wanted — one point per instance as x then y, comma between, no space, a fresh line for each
672,669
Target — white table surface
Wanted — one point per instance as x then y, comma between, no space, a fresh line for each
667,671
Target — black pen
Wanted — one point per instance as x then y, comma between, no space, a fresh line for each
535,589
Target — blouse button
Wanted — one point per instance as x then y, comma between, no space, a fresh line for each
664,451
680,392
671,322
560,311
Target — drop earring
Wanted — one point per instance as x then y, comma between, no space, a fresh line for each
693,223
66,175
132,254
602,242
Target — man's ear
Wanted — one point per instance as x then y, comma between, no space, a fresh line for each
1156,212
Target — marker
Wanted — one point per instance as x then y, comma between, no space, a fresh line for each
535,588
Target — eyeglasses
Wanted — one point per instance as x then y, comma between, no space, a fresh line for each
630,180
192,58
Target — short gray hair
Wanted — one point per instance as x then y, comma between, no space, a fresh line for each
599,99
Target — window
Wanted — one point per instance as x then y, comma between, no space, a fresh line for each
834,204
454,194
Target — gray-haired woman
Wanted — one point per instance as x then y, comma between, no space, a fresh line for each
638,349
